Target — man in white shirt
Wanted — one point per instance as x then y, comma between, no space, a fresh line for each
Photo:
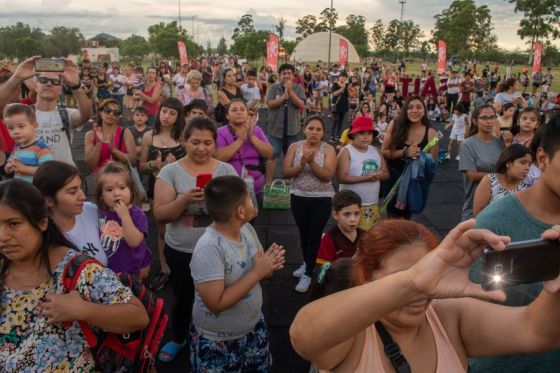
180,79
453,89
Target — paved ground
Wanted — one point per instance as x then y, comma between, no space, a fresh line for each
281,302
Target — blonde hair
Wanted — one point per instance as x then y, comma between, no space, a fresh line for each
194,74
114,168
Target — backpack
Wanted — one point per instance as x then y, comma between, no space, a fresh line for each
130,352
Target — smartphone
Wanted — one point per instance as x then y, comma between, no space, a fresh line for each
521,262
55,65
202,180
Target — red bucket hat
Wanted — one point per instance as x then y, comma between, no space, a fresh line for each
362,124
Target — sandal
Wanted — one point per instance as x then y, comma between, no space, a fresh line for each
158,282
171,349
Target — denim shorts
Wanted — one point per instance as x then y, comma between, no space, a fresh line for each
250,353
277,144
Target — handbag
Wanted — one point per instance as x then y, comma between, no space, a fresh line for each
276,195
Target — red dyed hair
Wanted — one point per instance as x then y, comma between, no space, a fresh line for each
382,240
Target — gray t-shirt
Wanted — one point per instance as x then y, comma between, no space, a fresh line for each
508,217
51,131
216,257
183,233
276,116
477,156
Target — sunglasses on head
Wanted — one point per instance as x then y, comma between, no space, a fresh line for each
115,112
45,80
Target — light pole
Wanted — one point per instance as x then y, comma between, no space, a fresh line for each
330,36
402,2
180,27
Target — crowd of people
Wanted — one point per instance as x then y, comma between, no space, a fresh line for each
91,154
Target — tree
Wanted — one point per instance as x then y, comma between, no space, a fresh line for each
208,48
9,36
541,20
280,28
244,26
355,31
328,19
306,26
410,35
134,47
377,32
289,46
392,35
221,49
27,47
66,40
163,40
106,40
251,45
465,27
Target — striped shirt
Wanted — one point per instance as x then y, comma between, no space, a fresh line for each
32,155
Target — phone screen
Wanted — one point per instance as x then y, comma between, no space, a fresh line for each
49,64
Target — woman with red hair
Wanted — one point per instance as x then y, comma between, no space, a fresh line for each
417,293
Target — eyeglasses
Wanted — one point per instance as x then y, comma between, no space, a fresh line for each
486,118
116,113
45,80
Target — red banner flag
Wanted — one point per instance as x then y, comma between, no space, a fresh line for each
442,57
537,58
342,53
272,46
184,59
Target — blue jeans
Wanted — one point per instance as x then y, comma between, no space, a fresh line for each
277,144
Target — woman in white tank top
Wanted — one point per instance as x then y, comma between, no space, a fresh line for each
360,169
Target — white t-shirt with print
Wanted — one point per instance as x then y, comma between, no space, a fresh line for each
250,94
85,233
51,131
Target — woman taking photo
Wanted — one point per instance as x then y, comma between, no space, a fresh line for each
418,293
34,310
108,141
227,93
194,91
242,143
150,95
311,165
479,153
65,199
405,138
162,146
179,204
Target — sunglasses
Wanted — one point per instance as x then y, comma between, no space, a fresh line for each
45,80
116,112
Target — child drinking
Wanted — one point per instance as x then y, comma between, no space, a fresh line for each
228,329
29,152
529,121
459,122
360,169
123,226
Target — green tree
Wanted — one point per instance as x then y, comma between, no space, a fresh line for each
66,41
244,26
251,45
27,47
134,47
377,32
106,40
410,35
307,25
289,46
208,47
280,28
328,19
222,49
9,36
355,31
163,40
541,20
392,36
465,28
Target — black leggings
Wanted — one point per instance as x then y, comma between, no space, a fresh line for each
452,98
338,123
311,215
183,291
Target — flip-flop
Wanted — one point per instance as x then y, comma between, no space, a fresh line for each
171,349
159,281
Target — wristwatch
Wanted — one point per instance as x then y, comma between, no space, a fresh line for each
74,87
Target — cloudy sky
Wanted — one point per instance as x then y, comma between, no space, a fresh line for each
215,18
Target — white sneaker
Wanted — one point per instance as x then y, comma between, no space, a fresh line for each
300,271
448,156
457,158
303,284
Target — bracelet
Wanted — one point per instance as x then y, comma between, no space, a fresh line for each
74,87
404,156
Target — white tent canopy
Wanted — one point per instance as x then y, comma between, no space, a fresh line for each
315,47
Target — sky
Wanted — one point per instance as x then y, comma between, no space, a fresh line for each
122,18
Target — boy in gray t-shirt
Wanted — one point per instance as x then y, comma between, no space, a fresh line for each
228,330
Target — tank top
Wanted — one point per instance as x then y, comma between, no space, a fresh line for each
306,184
151,108
362,164
447,358
397,164
498,191
105,155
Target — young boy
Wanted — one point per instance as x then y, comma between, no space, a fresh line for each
251,93
195,108
228,329
28,152
341,240
139,127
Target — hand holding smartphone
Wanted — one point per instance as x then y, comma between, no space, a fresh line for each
521,262
55,65
202,180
